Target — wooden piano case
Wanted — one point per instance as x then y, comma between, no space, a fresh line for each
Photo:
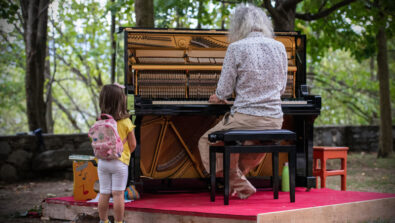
169,75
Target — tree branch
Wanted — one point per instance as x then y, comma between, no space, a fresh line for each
321,14
80,57
52,77
289,3
19,30
66,79
85,80
75,104
73,69
6,39
68,114
228,2
18,62
322,5
266,4
332,89
43,10
85,113
24,6
372,94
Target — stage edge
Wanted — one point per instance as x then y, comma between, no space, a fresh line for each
362,211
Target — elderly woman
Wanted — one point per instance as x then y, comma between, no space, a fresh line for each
255,69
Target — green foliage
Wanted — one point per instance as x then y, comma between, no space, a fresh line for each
81,49
186,14
8,10
352,28
80,54
173,13
349,91
124,11
349,87
12,93
12,66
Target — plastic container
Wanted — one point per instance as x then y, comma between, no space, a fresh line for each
285,178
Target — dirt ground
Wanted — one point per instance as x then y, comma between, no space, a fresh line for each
20,202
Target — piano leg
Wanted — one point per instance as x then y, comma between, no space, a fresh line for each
304,166
212,174
134,167
309,131
226,167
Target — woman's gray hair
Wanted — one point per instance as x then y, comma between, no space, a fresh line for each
247,19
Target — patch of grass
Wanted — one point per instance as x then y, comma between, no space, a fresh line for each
365,172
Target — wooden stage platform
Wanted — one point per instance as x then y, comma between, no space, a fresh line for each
316,205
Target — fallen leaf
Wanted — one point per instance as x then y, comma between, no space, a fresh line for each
51,195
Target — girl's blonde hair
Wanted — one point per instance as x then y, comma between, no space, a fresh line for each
112,101
247,19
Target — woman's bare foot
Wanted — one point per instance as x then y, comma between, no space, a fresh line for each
240,186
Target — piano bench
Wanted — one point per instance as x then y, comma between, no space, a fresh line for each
231,145
323,153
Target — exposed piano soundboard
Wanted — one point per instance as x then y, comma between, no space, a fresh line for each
177,64
169,75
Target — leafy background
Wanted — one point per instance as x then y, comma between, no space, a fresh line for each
340,65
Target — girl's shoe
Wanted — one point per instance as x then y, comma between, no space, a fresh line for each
131,193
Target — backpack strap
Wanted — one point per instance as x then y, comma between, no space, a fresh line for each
105,115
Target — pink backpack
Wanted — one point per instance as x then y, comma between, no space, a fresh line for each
106,142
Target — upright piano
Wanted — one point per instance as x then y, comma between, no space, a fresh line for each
169,75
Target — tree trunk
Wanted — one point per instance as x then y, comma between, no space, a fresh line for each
113,45
222,15
385,140
373,75
144,10
285,21
283,15
48,105
35,16
199,15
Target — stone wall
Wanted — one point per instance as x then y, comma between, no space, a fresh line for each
21,158
357,138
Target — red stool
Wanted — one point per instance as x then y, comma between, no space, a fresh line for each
324,153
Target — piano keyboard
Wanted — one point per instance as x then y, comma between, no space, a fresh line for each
208,103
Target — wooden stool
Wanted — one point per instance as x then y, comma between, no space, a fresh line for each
324,153
230,138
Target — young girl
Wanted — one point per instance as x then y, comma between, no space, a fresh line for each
113,174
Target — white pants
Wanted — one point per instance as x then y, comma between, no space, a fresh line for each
113,175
